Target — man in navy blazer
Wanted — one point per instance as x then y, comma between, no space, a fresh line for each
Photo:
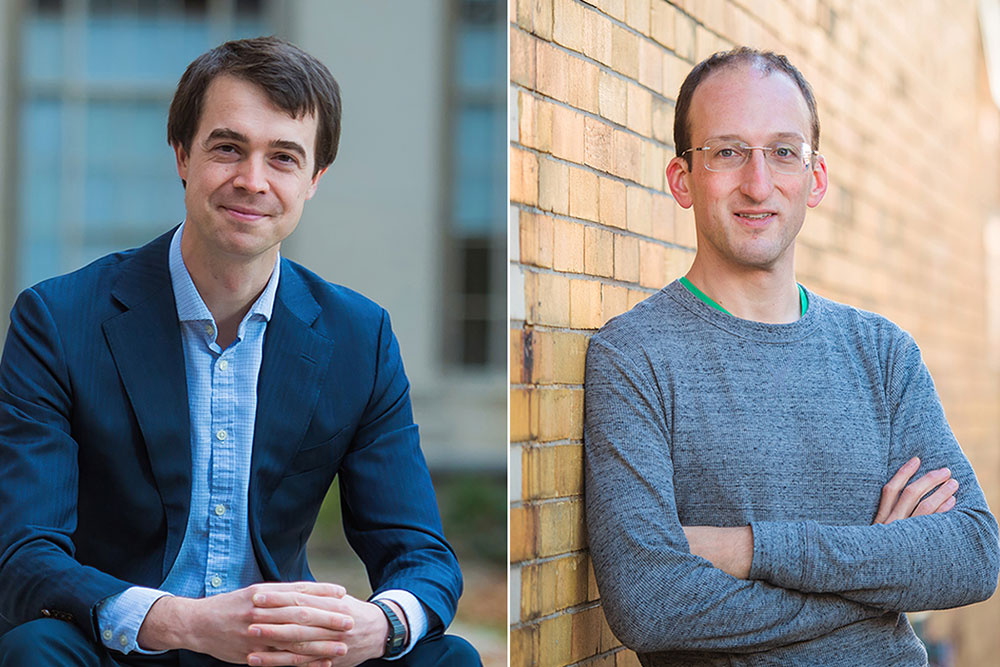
115,545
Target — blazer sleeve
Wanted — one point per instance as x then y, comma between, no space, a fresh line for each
389,507
39,479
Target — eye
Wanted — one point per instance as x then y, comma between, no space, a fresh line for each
287,159
784,152
728,152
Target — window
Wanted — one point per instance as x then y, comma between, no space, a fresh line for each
476,300
97,76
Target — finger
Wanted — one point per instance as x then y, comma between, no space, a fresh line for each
320,663
289,633
306,616
290,599
912,494
318,588
932,503
895,486
271,658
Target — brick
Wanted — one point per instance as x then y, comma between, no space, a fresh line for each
568,137
625,52
662,218
662,24
583,85
555,635
637,15
542,18
652,166
675,70
552,471
652,265
523,414
524,648
527,132
553,186
612,98
626,259
585,304
560,527
650,65
568,253
597,37
556,585
598,249
635,296
550,305
684,228
611,204
583,195
684,37
586,635
640,110
639,211
678,262
560,414
597,138
626,149
663,122
558,357
705,43
567,24
627,658
614,301
552,71
523,177
516,338
523,533
522,58
615,8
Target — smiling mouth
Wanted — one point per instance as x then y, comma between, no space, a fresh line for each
243,213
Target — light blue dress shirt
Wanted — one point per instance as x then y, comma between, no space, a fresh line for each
216,555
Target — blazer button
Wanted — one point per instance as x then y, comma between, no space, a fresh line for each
46,613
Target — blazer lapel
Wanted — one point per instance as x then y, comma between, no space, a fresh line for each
294,364
145,342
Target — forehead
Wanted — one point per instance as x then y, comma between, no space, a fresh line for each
236,104
742,101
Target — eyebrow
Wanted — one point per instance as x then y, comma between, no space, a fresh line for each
239,137
779,135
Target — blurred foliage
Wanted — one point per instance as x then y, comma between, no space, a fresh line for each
473,512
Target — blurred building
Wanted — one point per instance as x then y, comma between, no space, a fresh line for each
411,213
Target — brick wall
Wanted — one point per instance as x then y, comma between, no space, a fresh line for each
911,139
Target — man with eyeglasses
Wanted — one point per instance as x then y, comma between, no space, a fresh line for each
770,478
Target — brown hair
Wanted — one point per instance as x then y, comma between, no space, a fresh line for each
292,79
766,61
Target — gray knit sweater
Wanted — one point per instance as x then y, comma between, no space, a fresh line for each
694,417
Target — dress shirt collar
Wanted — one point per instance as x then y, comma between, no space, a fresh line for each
190,305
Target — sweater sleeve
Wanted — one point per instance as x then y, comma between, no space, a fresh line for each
656,595
927,562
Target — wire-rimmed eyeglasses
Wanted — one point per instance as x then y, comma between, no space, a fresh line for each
782,157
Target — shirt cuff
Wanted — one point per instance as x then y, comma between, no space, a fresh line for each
119,618
416,617
782,553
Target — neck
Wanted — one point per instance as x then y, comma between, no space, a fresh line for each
750,293
229,286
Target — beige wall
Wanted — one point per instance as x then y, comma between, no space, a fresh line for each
910,137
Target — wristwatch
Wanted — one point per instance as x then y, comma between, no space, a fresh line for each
396,639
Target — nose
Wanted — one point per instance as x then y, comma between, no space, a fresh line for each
251,175
757,181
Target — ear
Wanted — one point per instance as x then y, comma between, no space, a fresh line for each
820,182
183,159
677,179
315,182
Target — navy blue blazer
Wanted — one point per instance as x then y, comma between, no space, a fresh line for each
95,458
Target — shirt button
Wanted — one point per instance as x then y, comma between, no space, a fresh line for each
123,640
209,329
223,365
221,434
220,509
216,582
107,634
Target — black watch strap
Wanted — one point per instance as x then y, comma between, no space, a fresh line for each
396,640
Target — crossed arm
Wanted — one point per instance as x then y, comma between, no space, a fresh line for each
795,580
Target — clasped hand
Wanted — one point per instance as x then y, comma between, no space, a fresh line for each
304,623
730,549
